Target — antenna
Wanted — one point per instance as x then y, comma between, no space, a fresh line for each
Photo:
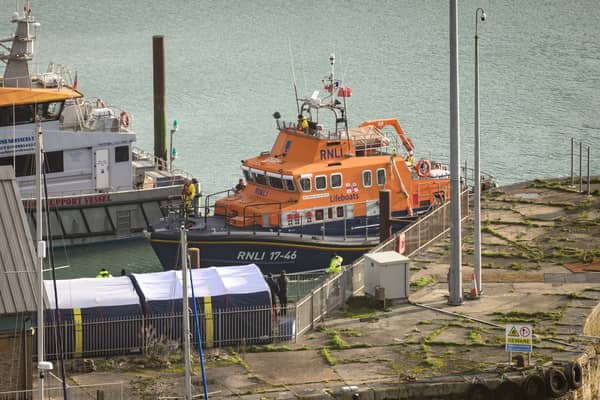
293,74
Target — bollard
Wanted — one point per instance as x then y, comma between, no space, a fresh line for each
194,255
385,227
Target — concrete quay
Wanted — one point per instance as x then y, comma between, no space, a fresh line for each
540,242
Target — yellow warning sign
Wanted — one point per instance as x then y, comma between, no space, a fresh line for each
519,338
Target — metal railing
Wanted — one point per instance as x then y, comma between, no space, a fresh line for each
79,392
338,288
145,334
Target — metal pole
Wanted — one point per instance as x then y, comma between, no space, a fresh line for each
580,161
41,253
186,318
477,177
572,176
171,152
455,281
588,172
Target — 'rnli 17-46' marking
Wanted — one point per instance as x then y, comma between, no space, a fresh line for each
266,255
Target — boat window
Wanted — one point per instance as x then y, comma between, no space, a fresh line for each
121,153
380,176
24,113
25,165
275,183
318,215
320,182
336,181
340,212
54,161
305,184
248,176
330,213
260,178
20,114
367,178
289,184
49,111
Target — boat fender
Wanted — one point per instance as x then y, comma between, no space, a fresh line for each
423,167
556,383
401,243
508,390
574,374
534,387
125,119
479,391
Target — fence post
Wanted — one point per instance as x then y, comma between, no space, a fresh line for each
572,176
312,309
580,161
99,394
588,171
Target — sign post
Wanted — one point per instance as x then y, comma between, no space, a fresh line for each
519,338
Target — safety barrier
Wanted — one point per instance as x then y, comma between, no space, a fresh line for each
338,288
141,334
53,390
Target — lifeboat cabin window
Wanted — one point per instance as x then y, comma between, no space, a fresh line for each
340,212
305,183
318,215
260,178
336,181
367,179
380,176
275,182
289,184
121,153
320,182
248,176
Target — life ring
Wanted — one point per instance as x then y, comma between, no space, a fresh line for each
125,119
574,374
423,167
534,387
556,383
100,103
508,390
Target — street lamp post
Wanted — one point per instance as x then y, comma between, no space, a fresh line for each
172,152
479,14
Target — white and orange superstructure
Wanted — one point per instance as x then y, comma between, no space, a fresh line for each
314,193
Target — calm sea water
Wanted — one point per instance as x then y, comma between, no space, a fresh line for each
231,64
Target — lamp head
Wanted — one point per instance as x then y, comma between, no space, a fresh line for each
483,15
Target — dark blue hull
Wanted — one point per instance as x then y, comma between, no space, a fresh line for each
270,252
294,248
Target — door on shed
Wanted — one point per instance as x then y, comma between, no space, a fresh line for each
102,174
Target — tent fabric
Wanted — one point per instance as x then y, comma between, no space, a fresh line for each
92,293
208,282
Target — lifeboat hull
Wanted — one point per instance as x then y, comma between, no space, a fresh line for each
271,252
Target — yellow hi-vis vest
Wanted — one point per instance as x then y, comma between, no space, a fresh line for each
335,265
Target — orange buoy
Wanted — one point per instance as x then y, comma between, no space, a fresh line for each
423,168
